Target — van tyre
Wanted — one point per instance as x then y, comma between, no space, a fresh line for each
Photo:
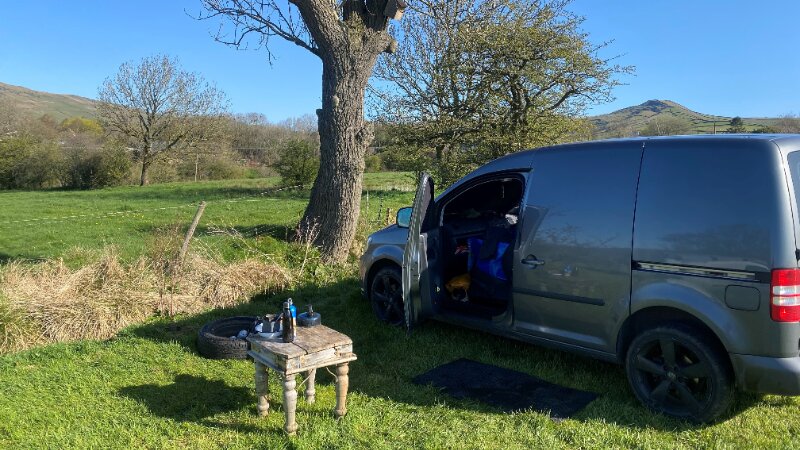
214,339
677,371
386,295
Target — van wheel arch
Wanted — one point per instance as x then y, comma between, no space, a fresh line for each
375,268
652,317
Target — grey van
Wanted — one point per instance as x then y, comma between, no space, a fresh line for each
677,257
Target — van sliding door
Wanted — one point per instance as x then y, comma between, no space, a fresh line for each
572,269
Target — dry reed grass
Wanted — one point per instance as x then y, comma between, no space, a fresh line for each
49,302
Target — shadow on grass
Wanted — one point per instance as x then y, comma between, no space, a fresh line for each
5,258
189,398
389,358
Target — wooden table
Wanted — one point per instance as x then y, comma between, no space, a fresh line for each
313,348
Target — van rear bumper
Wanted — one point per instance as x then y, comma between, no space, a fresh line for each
768,375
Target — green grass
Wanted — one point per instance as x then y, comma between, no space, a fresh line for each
148,388
71,224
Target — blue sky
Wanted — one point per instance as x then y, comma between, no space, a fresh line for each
731,57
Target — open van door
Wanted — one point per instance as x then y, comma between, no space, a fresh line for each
415,262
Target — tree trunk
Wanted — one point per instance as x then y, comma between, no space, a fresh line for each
332,213
144,180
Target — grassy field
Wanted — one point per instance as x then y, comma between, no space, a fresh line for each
71,224
148,388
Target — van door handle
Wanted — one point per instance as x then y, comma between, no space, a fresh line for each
532,261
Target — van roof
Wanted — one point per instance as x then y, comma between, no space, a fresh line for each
522,159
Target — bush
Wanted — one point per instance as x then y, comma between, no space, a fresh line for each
97,168
41,168
159,172
259,172
373,163
210,167
298,163
27,163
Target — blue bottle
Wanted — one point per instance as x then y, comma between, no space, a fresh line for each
293,310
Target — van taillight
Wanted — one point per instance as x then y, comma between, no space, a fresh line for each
784,302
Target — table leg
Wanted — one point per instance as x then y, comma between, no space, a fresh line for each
310,388
342,383
262,388
290,403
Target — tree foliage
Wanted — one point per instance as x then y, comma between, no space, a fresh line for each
27,162
81,125
480,79
736,125
298,163
159,107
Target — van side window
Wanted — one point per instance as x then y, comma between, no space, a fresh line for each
582,198
707,204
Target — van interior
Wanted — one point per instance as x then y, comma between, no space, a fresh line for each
478,228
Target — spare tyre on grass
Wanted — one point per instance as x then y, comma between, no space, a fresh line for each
214,339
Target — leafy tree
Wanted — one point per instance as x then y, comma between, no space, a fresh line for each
347,37
480,79
736,125
159,108
298,163
80,125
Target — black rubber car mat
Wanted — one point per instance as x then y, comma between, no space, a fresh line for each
505,389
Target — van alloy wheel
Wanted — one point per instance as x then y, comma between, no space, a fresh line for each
674,371
386,296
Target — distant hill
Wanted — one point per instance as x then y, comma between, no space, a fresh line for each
624,122
36,104
628,121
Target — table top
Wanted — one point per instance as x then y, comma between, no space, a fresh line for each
309,340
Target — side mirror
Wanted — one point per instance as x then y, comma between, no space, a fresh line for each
403,217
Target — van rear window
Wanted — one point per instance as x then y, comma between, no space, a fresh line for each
794,169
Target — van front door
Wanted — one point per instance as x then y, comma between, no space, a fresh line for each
415,263
572,268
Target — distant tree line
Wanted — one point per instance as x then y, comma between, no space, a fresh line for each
79,153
